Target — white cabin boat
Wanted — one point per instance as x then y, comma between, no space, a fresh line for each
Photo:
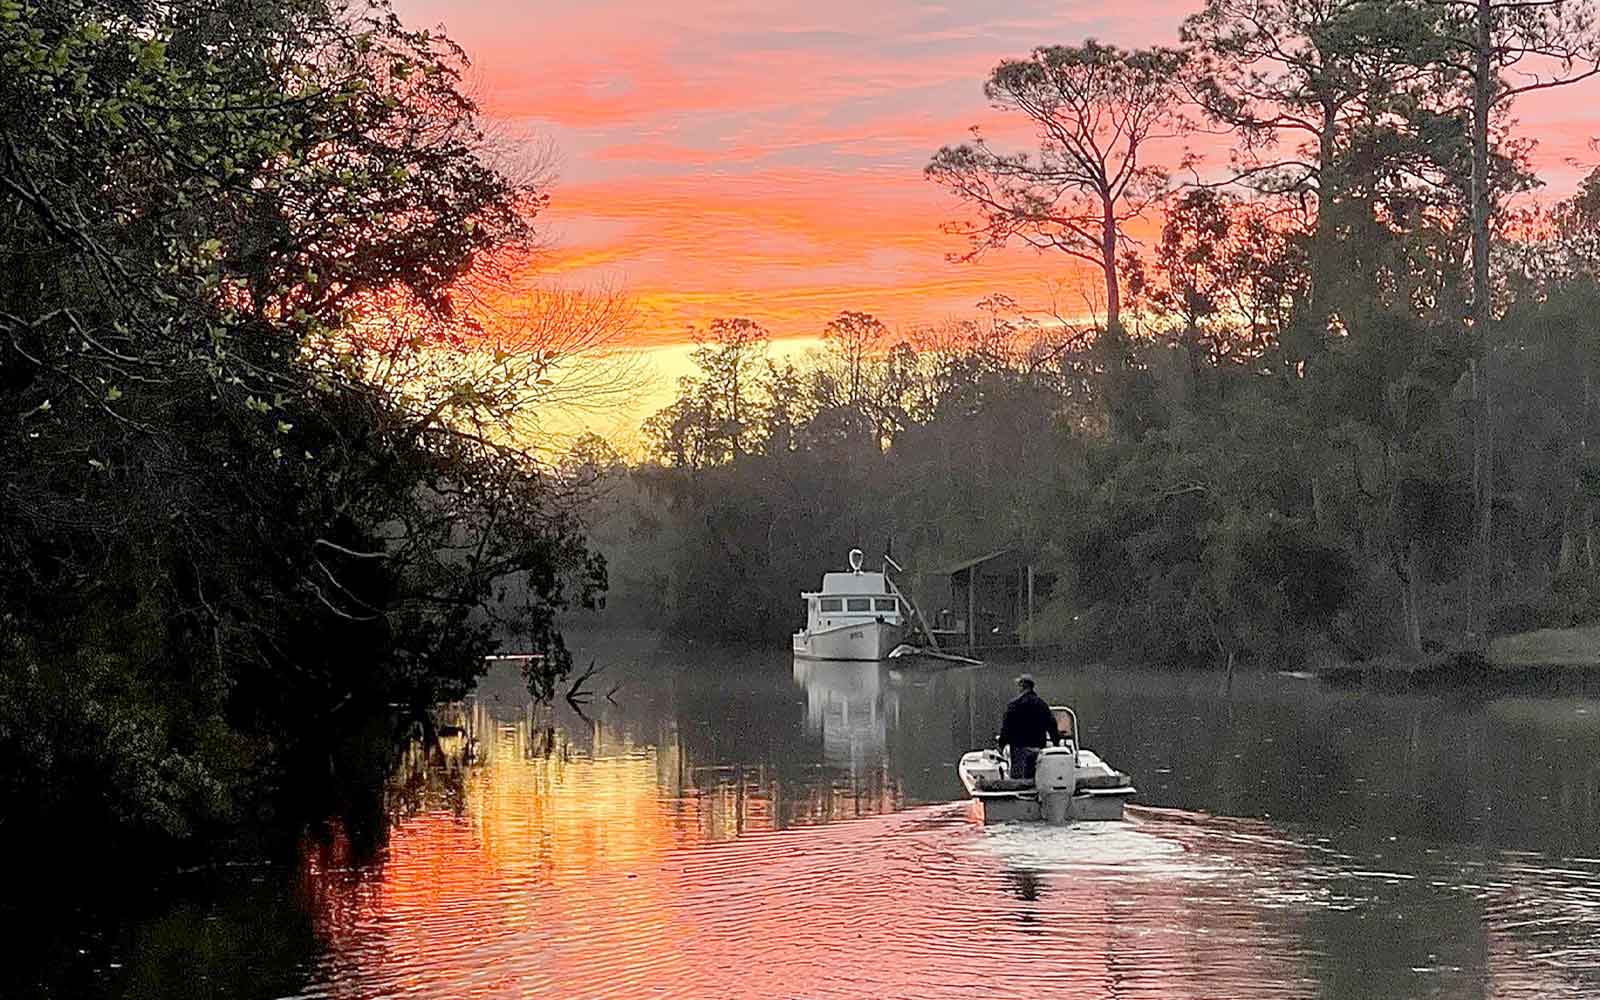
857,615
1069,784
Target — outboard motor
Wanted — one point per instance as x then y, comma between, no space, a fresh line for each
1055,780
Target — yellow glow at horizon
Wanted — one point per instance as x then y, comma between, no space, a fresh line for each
661,368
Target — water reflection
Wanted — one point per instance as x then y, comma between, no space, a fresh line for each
845,707
741,825
634,852
1025,883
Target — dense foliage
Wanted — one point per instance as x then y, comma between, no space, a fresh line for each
224,542
256,481
1287,457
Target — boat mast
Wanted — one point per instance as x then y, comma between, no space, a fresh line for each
916,612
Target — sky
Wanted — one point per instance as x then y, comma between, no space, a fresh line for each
724,158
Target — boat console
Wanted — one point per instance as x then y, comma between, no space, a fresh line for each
1069,783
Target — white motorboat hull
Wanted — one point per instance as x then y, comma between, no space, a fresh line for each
863,641
1097,792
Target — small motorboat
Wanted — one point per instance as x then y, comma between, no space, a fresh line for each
1069,784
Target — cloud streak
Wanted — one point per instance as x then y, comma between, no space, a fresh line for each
724,161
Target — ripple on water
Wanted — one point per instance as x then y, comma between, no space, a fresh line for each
913,904
926,904
629,873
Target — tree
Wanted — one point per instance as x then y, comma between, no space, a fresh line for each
855,341
1572,246
730,354
1195,543
1334,104
503,362
1097,110
224,537
855,338
1558,42
1224,273
717,414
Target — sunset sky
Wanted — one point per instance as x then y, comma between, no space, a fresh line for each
720,158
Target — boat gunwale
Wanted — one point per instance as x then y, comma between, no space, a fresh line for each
835,628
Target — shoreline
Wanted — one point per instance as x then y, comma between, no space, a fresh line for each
1564,660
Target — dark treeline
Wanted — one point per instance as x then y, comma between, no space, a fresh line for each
253,498
256,493
1308,425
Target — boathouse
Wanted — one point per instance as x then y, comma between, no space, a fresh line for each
986,602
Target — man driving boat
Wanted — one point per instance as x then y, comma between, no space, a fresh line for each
1026,726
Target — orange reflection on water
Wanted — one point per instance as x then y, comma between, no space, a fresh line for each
627,856
551,849
564,873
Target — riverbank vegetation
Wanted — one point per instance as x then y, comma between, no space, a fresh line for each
266,385
1338,403
257,493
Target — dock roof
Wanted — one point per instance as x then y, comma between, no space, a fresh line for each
967,564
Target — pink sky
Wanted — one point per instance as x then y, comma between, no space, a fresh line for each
723,158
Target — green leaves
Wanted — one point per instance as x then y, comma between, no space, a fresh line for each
209,215
150,54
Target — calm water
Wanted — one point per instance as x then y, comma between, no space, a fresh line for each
740,825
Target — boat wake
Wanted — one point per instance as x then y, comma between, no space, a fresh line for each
1082,846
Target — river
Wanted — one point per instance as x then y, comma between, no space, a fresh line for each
738,824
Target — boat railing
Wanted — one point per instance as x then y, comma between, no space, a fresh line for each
1067,727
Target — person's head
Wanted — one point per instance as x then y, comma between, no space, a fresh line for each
1025,683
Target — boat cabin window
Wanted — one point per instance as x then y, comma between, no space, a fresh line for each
832,604
859,603
884,603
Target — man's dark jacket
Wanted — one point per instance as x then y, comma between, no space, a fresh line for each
1028,720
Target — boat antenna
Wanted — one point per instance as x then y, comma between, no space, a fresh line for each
889,561
855,560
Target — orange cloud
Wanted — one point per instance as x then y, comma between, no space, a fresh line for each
721,160
790,249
